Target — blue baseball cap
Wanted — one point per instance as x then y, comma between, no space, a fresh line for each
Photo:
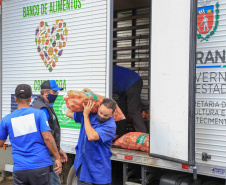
50,84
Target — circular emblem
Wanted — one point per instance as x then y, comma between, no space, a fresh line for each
62,112
207,21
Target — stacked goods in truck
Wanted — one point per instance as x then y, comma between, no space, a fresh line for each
75,100
134,141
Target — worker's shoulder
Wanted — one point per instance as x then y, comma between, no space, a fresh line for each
7,117
31,110
22,112
37,112
111,123
38,103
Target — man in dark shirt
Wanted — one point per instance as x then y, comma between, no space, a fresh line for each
128,84
49,93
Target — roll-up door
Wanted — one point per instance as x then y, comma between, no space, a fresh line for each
64,40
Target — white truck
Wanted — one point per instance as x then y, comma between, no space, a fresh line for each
76,42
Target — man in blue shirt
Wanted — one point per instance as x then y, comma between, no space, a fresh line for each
44,102
128,84
92,159
30,137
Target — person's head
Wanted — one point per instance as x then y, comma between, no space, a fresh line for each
106,110
23,94
49,90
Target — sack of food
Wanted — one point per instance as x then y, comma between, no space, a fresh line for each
76,99
134,141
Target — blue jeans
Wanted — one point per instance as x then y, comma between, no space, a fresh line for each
54,178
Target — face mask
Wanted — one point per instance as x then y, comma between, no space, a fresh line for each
101,120
51,98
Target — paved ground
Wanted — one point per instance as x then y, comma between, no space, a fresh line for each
6,183
11,183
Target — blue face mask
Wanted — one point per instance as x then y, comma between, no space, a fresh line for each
51,98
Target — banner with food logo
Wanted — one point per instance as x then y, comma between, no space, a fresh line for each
61,40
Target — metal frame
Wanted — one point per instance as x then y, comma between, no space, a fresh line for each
192,69
1,60
147,175
192,82
109,67
143,159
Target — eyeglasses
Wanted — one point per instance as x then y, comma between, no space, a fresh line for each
53,92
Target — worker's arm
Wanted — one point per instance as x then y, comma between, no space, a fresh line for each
91,133
70,114
63,156
77,116
2,143
51,145
3,133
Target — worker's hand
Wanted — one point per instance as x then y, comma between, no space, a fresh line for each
58,166
86,90
63,156
2,143
87,108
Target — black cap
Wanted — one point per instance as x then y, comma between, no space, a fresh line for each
51,84
23,91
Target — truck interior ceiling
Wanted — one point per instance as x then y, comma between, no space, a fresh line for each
131,49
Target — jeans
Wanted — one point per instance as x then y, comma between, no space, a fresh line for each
39,176
54,178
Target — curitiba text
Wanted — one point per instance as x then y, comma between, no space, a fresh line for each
60,83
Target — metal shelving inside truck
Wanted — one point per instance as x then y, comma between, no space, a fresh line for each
177,47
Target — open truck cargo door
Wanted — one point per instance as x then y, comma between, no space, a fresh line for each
173,56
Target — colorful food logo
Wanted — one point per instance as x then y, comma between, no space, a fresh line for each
207,21
50,42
